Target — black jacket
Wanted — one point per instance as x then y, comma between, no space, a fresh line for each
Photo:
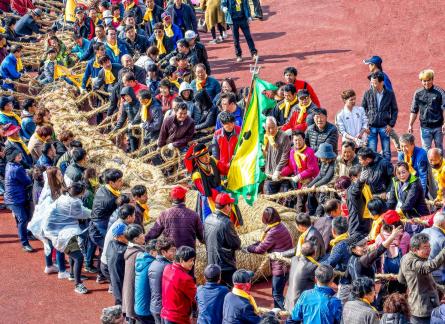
188,17
166,41
74,172
152,126
312,235
130,110
100,81
430,105
384,115
116,268
27,26
314,137
411,197
139,73
208,118
157,12
140,44
356,206
363,266
221,241
201,53
380,174
104,204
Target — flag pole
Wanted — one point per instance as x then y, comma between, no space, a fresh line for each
255,70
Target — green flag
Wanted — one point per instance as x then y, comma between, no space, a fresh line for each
245,173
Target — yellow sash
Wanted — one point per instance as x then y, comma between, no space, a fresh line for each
145,112
268,227
160,45
269,139
366,191
299,156
286,105
12,115
24,147
129,6
441,229
109,77
175,82
301,241
367,302
146,217
238,5
2,30
148,15
19,65
168,30
116,19
312,260
338,239
94,182
409,160
303,110
375,228
39,138
114,48
96,64
115,192
243,294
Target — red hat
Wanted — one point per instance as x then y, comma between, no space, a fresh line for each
10,129
178,192
390,217
224,199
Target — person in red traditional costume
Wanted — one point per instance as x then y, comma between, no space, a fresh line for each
206,176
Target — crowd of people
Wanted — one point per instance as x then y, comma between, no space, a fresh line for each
371,228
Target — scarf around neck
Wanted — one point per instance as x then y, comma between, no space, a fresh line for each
115,192
299,156
286,105
241,293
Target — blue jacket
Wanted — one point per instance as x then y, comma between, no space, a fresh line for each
122,48
339,258
238,114
317,306
16,183
230,5
27,26
142,293
81,50
387,81
7,119
28,126
177,34
90,72
212,87
437,242
27,160
237,310
8,68
210,299
44,161
420,164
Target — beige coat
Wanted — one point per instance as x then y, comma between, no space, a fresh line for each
213,13
415,273
35,146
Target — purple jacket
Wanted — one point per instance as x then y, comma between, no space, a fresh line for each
180,224
278,239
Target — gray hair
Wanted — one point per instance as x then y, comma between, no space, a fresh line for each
419,239
324,274
111,314
439,218
271,119
407,138
434,150
125,56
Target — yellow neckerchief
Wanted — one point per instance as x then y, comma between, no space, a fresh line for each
301,241
268,227
2,30
269,139
287,105
19,65
200,84
94,182
160,45
375,228
129,6
409,159
312,260
148,16
145,111
249,297
175,82
366,192
109,77
39,138
146,217
116,19
168,30
115,192
12,115
367,302
19,141
96,64
338,239
114,48
238,5
299,156
439,176
440,228
303,109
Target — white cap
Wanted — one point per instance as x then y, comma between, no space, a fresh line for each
189,35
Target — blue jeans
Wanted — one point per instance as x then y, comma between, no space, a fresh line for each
86,246
278,283
60,259
242,24
97,231
384,139
21,213
428,135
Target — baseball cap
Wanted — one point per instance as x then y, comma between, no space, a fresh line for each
242,276
224,199
212,272
165,14
390,217
302,93
357,239
189,35
78,10
119,230
373,60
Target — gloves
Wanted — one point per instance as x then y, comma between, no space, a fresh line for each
170,146
224,9
364,175
276,176
296,178
275,311
288,132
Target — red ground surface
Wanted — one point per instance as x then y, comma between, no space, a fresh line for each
326,41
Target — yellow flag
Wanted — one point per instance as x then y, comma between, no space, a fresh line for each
63,71
70,8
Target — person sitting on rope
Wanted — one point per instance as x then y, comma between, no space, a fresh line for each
206,176
108,76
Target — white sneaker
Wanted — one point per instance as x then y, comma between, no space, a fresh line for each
213,41
63,275
51,269
224,35
219,39
239,59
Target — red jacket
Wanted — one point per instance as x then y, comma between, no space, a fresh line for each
293,123
224,147
178,294
22,6
138,87
300,84
4,5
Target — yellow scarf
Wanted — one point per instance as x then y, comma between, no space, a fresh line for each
146,217
299,156
175,82
375,228
39,138
96,64
409,160
303,110
24,147
168,30
115,192
160,45
338,239
109,77
129,5
367,302
114,48
268,227
148,15
12,115
94,182
19,65
116,19
366,191
145,112
200,84
243,294
238,5
301,241
441,229
269,139
2,30
287,105
312,260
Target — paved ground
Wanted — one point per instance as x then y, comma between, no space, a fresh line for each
326,41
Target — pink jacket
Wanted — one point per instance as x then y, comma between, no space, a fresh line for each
309,167
402,242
